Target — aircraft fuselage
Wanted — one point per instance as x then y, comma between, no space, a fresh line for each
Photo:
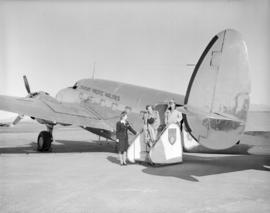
109,98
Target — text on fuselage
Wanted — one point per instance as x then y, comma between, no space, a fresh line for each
101,93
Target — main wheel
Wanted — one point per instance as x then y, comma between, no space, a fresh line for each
44,141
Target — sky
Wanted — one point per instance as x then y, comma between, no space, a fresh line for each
147,43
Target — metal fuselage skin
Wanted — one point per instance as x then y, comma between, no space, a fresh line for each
110,98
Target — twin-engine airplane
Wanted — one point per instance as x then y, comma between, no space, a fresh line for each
215,108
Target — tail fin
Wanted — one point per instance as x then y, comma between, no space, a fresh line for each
219,88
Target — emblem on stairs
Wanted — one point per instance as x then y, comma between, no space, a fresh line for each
172,135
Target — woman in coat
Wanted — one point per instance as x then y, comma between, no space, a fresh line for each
122,128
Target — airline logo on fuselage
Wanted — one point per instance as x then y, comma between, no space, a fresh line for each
100,93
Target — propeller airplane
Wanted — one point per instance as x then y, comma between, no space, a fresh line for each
215,107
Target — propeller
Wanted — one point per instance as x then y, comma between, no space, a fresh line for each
27,87
17,120
26,84
30,95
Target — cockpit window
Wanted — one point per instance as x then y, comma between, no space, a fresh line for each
75,85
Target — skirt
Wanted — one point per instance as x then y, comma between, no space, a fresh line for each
122,145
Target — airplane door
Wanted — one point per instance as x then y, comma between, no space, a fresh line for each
161,108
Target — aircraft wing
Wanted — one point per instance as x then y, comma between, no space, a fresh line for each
47,108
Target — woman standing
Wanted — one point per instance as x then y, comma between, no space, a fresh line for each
122,128
151,125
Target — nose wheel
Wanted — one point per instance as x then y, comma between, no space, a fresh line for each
44,141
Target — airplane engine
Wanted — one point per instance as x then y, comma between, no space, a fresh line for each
217,97
68,95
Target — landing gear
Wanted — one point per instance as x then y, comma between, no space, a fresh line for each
44,141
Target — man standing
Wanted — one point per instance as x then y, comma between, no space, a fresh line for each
172,115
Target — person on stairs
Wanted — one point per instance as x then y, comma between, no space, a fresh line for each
151,124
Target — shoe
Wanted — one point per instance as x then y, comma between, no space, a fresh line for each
125,164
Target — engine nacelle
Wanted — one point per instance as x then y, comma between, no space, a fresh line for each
69,95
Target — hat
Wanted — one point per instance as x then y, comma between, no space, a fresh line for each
171,101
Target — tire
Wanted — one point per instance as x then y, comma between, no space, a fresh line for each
44,141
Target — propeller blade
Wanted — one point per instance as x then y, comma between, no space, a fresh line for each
26,84
18,118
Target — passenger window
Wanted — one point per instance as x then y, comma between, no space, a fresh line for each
114,106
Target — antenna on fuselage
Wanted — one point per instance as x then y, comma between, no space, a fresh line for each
94,69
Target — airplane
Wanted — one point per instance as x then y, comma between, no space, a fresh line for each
215,107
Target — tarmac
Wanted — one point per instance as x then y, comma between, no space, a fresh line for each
82,174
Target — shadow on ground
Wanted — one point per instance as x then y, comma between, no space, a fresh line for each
194,166
113,159
64,146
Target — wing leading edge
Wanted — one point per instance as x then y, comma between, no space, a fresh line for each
48,108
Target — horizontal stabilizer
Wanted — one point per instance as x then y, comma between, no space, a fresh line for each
191,111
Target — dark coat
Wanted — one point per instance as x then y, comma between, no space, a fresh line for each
122,135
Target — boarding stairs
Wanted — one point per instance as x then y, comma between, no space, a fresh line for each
167,149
